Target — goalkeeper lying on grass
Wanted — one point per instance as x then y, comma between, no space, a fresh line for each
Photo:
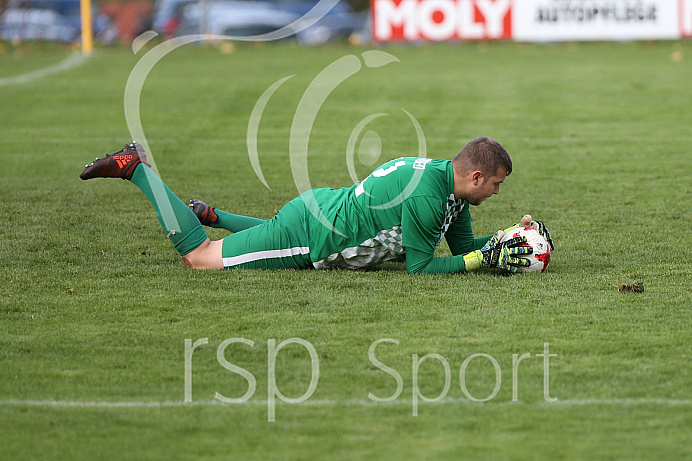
400,212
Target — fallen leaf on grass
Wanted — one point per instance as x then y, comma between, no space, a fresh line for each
633,288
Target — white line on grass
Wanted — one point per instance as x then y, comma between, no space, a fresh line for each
70,62
332,403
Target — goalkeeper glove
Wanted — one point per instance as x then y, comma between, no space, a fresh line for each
544,232
527,221
500,255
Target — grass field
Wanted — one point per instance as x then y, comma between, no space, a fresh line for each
96,306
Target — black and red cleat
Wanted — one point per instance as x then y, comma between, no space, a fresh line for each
118,165
204,212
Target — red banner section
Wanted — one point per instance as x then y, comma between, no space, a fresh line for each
441,20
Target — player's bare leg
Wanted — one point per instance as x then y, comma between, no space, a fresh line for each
206,256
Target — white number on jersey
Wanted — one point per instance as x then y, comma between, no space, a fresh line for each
379,174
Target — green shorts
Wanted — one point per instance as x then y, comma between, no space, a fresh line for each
279,243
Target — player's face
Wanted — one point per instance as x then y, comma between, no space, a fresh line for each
485,187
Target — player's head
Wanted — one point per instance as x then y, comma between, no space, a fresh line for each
483,154
479,169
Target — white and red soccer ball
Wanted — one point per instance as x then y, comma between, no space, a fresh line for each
540,258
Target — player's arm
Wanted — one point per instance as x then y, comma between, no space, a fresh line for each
460,237
420,262
493,255
421,220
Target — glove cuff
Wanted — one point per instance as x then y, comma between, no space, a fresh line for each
511,228
473,260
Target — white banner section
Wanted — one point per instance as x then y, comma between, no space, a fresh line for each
565,20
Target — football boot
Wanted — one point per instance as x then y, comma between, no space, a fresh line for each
118,165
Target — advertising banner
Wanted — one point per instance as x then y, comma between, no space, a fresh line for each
530,20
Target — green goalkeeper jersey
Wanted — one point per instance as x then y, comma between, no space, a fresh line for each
401,211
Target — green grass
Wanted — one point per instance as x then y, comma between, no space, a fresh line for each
96,305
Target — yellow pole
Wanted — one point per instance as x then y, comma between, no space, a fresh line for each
87,31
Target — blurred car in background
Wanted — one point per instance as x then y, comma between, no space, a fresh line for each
238,18
54,20
254,17
340,22
167,15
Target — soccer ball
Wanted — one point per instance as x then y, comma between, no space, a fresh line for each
540,258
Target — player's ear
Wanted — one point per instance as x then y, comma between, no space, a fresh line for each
476,177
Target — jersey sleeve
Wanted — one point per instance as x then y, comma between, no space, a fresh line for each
418,262
459,236
421,221
480,242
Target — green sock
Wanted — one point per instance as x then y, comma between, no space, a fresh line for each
181,225
234,222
